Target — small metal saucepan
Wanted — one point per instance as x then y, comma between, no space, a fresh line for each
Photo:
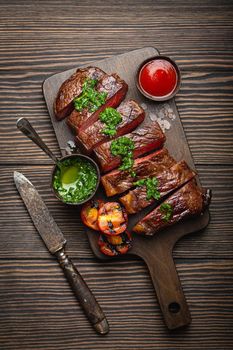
27,129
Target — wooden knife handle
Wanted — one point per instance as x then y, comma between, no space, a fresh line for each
85,297
168,288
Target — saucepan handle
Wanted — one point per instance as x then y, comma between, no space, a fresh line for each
84,295
168,288
27,129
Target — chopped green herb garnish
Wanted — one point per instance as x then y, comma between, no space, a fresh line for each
151,184
123,147
89,83
167,211
75,180
111,118
90,98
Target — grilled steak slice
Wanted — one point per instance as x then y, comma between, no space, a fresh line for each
188,201
168,181
116,89
118,181
132,115
72,88
147,138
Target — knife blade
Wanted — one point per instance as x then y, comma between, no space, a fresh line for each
55,242
43,221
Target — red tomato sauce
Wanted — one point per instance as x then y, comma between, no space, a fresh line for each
158,77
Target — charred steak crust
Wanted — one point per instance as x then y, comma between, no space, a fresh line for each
177,179
168,181
146,138
188,201
118,181
72,88
132,115
116,89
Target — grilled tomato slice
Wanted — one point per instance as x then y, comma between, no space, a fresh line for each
115,245
112,219
90,212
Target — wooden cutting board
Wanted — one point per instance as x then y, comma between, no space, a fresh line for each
155,251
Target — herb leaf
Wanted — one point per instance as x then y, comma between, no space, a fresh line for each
80,187
123,147
90,98
151,187
111,118
167,211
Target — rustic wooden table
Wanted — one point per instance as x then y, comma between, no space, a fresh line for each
37,307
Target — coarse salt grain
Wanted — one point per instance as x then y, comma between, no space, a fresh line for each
144,106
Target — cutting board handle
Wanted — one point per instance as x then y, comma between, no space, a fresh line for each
167,286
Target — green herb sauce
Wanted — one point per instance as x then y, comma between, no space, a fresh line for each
75,180
151,184
90,98
123,147
111,118
167,211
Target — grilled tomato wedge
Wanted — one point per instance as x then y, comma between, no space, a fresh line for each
115,245
90,212
112,219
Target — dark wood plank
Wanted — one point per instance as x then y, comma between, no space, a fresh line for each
19,237
39,311
198,45
179,25
38,39
204,103
158,249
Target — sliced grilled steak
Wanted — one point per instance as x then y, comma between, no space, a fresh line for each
132,115
116,89
147,138
188,201
168,181
118,181
72,88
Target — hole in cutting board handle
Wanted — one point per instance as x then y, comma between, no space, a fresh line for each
174,307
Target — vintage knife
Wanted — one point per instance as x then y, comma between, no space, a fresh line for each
55,242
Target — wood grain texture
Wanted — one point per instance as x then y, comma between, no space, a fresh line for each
29,53
37,308
204,103
158,249
25,241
